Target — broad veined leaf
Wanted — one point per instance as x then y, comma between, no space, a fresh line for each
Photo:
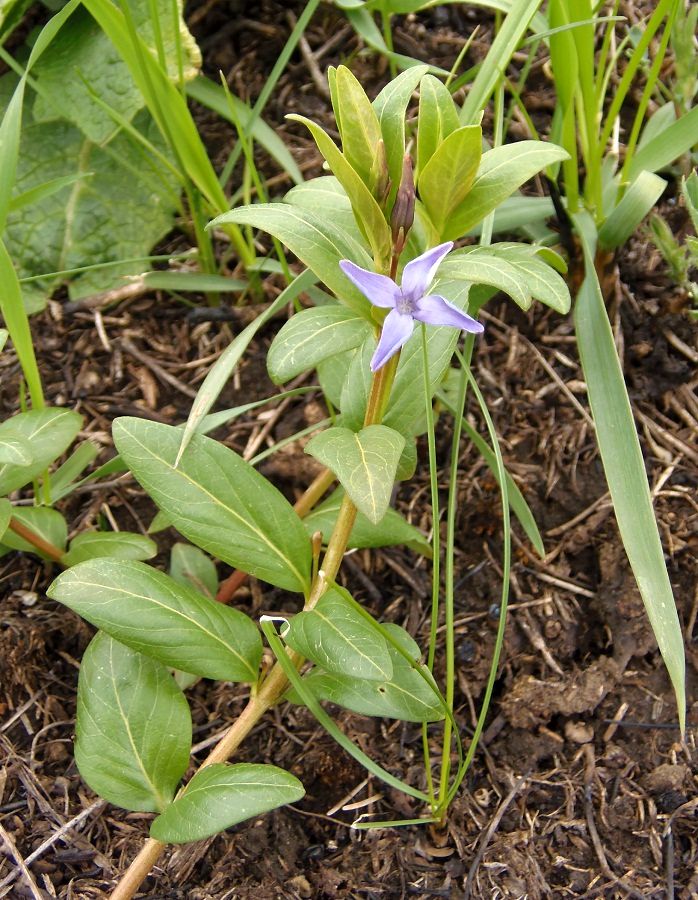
15,451
357,385
133,728
332,375
314,239
90,220
365,463
112,544
391,530
358,125
312,335
407,695
44,522
220,796
325,196
446,179
486,268
390,106
5,515
502,170
189,565
369,215
218,502
153,614
49,432
336,637
438,117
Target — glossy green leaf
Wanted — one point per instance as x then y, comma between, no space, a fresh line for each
390,106
5,515
15,451
133,728
336,637
112,544
407,695
64,479
368,213
438,117
153,614
446,179
44,522
358,125
312,335
365,463
625,472
671,143
325,196
190,566
391,530
220,796
15,315
502,170
48,432
315,240
218,501
636,203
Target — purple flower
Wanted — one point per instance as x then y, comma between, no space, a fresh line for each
409,302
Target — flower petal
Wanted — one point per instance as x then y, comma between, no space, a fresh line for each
436,310
380,290
397,329
418,275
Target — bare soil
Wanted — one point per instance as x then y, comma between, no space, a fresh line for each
582,786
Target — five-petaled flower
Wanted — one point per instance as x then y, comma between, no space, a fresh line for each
408,302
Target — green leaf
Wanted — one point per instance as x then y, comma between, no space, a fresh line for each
5,515
190,566
333,373
63,480
17,321
218,502
390,106
365,463
407,695
14,451
325,196
368,213
46,523
635,204
438,117
625,472
672,142
112,544
689,191
339,639
220,796
82,60
358,125
312,335
153,614
315,240
502,170
133,728
446,179
91,220
49,432
392,530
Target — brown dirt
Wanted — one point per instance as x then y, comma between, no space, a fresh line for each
581,787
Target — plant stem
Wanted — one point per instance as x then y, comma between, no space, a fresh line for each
50,550
275,684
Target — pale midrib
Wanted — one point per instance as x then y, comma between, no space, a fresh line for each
71,205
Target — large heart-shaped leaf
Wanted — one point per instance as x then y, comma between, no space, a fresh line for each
153,614
218,502
336,637
365,463
133,729
219,796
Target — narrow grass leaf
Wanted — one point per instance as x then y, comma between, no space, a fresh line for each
636,203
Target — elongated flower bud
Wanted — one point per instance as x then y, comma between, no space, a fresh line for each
402,215
380,176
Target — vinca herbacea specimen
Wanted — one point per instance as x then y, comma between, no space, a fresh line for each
375,234
409,302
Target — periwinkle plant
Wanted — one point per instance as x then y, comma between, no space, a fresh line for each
376,236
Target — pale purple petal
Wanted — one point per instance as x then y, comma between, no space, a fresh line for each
380,290
436,310
397,329
418,275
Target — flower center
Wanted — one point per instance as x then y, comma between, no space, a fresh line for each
405,306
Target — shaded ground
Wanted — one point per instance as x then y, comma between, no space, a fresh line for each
581,787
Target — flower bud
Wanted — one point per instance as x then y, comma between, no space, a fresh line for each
380,176
402,215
